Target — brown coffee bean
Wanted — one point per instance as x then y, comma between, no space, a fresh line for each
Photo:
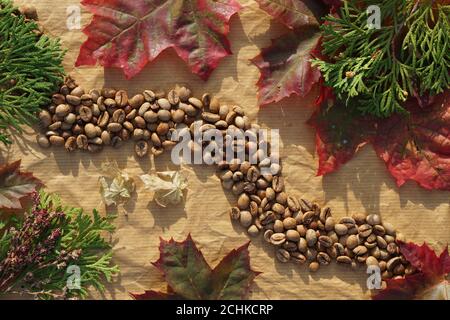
245,219
90,130
58,99
103,120
348,222
184,93
162,128
278,208
278,239
235,213
110,103
71,144
308,217
289,223
329,224
85,113
393,263
43,141
230,117
121,98
141,148
344,260
278,226
373,219
243,201
253,174
278,183
360,250
340,249
283,255
139,122
325,241
323,258
55,126
188,109
379,230
281,198
128,126
314,266
124,134
86,100
137,100
164,104
106,138
365,230
196,102
73,100
292,235
340,229
112,127
77,91
149,95
352,241
210,117
371,261
82,142
62,110
311,237
214,105
392,248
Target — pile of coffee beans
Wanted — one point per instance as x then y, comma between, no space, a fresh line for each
301,232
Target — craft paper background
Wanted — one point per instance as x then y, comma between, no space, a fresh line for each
363,185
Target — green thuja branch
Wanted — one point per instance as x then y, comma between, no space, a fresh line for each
30,69
376,70
38,252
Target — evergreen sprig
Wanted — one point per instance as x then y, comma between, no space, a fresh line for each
30,69
36,251
376,70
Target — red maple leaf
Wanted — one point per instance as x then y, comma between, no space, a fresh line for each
129,34
189,276
16,187
414,147
428,283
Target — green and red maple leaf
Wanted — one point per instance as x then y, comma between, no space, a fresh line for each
429,282
129,34
189,276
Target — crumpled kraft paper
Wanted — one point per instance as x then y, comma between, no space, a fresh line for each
361,185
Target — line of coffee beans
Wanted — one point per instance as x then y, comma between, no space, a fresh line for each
300,231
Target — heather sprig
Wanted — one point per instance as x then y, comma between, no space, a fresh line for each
36,251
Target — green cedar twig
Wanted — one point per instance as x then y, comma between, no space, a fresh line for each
376,70
30,69
35,252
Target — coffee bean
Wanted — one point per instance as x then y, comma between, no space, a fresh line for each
325,213
311,237
86,100
267,235
43,141
253,231
379,230
62,110
230,117
292,235
77,91
392,263
56,140
329,224
210,117
243,201
289,223
348,222
162,128
278,183
110,103
314,266
371,261
325,241
283,255
71,144
245,219
73,100
352,241
373,219
195,102
121,98
278,208
340,229
112,127
344,260
360,250
365,230
278,239
323,258
392,248
278,226
45,118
